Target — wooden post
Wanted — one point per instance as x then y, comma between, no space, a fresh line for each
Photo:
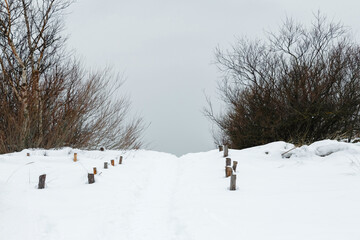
120,160
105,165
233,183
94,170
113,162
91,178
75,157
42,181
228,171
235,165
228,162
226,151
220,148
28,154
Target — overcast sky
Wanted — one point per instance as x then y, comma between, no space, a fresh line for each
165,49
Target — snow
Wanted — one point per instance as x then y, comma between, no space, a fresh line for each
313,194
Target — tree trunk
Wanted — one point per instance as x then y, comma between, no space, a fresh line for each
25,128
35,80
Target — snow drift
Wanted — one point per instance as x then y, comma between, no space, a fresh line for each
313,193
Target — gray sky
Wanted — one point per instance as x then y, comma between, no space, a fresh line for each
165,49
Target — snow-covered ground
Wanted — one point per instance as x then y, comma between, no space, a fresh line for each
312,194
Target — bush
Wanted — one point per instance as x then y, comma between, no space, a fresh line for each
47,100
299,85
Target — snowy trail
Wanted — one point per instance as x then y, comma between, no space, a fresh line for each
155,195
152,214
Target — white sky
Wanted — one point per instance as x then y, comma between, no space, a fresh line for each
166,49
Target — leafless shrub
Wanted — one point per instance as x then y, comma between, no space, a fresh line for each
300,85
47,99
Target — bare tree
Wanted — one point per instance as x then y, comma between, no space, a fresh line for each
301,85
46,98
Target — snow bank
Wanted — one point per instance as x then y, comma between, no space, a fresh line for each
313,194
322,149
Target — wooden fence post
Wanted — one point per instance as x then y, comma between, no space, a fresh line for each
75,157
120,160
226,151
105,165
233,182
228,171
94,170
228,162
91,178
113,162
42,181
28,154
220,148
235,165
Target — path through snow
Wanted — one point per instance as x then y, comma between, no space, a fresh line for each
152,215
158,196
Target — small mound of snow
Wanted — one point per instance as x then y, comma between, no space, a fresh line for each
271,149
321,148
326,150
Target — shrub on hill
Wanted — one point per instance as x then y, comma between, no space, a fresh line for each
47,99
299,85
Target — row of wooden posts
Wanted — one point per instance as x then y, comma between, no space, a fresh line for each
91,176
230,171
